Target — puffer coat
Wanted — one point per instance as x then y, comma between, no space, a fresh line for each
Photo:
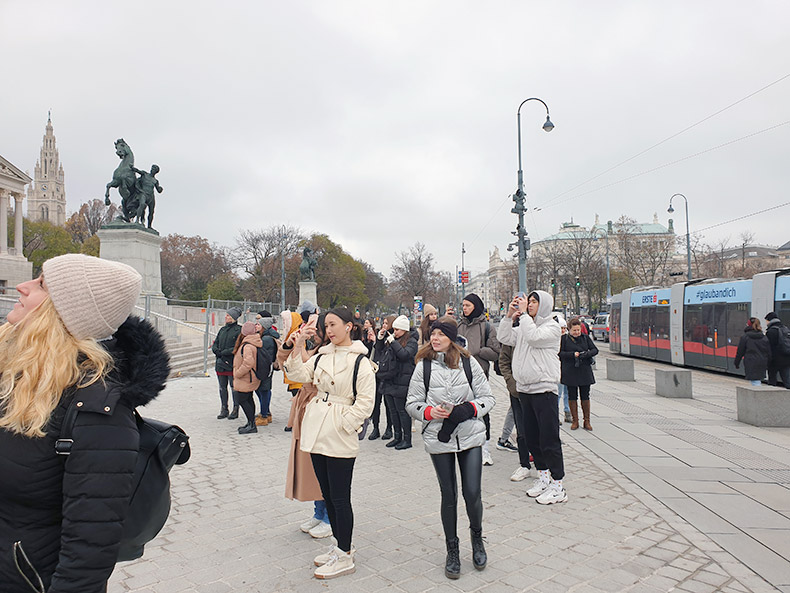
577,370
400,359
474,330
68,511
333,417
223,347
755,351
450,385
244,363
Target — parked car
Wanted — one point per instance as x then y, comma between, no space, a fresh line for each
600,327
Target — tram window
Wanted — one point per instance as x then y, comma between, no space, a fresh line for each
662,323
635,323
783,310
737,316
693,329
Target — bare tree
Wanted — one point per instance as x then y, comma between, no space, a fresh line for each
644,257
413,273
260,254
87,221
746,238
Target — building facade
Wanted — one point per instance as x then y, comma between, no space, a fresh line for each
14,268
47,194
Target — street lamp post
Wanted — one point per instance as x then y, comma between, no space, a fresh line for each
688,233
519,199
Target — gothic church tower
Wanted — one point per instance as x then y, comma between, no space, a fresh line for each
46,198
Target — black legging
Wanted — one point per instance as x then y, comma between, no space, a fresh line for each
582,390
401,421
471,464
246,403
334,476
376,415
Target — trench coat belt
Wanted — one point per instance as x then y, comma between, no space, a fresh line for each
336,399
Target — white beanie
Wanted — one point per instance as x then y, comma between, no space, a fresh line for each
401,322
92,296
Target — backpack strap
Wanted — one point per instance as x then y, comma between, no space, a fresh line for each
64,442
426,374
467,364
315,364
487,334
356,372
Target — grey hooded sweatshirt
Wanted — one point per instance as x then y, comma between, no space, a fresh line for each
536,342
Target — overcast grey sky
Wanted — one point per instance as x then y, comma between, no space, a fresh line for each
386,123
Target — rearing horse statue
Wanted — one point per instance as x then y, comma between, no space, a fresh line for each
124,179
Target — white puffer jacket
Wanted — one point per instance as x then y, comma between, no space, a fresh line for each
536,362
450,385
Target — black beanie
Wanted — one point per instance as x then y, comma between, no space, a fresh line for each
477,302
771,316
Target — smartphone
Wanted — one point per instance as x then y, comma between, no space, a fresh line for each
312,321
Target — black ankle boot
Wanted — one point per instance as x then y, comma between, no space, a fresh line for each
375,434
248,428
479,556
223,413
395,440
234,414
452,566
387,434
405,442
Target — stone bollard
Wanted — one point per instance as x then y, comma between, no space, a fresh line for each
620,369
673,383
763,405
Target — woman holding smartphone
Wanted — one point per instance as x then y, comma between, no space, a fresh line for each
450,393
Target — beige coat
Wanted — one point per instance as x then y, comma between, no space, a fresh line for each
332,418
244,363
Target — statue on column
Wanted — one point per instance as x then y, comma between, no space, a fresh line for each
307,267
137,193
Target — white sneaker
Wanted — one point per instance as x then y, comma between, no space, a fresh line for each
487,459
554,493
309,524
540,485
339,563
322,559
522,473
321,530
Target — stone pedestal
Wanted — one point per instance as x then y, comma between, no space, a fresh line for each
134,245
619,369
673,383
763,405
308,291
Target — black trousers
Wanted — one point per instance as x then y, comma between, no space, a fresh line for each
471,464
224,381
521,437
334,476
784,373
246,402
376,415
542,429
575,391
401,421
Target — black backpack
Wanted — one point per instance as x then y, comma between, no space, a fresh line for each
263,364
162,446
783,340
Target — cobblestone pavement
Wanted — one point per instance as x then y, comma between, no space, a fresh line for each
231,529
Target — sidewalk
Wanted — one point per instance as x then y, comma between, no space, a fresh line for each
647,510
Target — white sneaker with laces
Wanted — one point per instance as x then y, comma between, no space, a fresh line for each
339,563
322,559
309,524
540,485
321,530
554,493
487,459
522,473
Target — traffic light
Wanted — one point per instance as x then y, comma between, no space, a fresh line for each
578,284
553,284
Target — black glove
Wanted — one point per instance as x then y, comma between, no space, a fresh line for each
462,412
448,426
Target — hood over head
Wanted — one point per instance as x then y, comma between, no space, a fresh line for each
546,303
479,308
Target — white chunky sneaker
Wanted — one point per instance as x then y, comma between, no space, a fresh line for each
487,459
522,473
339,563
321,530
540,485
309,524
322,559
554,493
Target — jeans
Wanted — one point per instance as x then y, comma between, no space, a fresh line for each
265,398
224,381
755,382
320,511
471,464
334,476
540,426
562,397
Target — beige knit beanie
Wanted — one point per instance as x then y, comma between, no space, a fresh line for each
92,296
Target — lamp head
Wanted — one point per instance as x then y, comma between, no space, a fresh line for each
548,126
670,209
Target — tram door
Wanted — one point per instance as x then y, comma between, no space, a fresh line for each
714,349
649,332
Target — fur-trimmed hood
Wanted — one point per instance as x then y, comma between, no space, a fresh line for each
142,363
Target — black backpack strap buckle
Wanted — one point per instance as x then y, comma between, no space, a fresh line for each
63,446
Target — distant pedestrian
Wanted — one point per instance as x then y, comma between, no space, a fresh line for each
458,395
378,350
331,421
576,353
429,315
562,390
536,368
369,334
780,358
482,343
269,337
223,349
245,381
755,351
398,366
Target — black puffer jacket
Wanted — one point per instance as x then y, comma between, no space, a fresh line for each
577,371
223,347
755,351
401,360
68,512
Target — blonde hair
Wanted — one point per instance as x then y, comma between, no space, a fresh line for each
39,360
